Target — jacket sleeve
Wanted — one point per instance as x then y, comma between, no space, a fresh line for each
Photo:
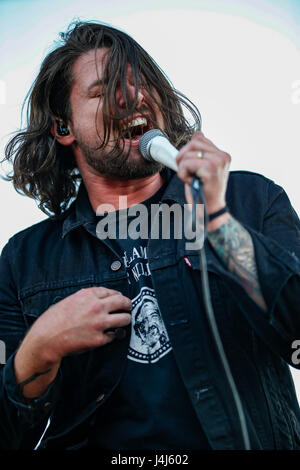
21,422
279,270
277,254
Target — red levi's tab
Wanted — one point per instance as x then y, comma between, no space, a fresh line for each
187,261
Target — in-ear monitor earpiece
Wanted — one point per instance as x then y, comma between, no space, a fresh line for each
62,129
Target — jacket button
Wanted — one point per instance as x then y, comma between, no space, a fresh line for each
100,398
115,265
198,394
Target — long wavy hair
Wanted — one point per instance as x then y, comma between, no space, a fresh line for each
47,171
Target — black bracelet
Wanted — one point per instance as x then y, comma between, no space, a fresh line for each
216,214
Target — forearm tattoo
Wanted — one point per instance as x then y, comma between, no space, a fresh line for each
233,244
31,379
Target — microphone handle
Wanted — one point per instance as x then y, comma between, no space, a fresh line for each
167,157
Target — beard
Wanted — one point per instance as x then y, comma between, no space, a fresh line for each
117,163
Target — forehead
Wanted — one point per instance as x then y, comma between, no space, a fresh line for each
89,67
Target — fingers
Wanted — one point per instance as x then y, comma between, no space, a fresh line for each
117,302
199,136
103,300
112,299
193,148
205,167
191,166
103,292
212,162
114,324
199,139
107,302
109,320
117,320
201,158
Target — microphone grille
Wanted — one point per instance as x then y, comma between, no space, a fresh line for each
144,141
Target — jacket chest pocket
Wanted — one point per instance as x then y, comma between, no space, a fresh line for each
37,300
35,304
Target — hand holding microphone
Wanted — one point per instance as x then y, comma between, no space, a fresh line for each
199,157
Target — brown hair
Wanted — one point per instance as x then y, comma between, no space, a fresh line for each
45,170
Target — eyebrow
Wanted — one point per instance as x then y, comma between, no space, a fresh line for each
98,82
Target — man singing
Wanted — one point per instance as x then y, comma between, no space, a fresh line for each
107,340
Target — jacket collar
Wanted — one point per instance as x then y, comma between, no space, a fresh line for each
81,212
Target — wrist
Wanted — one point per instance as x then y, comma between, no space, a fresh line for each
42,343
218,221
216,214
34,372
33,353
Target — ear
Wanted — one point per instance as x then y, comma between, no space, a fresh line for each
62,132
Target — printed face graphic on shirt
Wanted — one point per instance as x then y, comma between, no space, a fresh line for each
149,339
148,325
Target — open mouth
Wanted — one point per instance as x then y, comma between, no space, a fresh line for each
136,128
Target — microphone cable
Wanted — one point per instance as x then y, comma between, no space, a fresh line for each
197,193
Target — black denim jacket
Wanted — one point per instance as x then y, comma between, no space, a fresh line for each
54,258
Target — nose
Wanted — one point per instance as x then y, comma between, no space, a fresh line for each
124,102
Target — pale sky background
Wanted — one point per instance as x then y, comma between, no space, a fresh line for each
237,60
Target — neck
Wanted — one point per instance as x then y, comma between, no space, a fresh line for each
107,190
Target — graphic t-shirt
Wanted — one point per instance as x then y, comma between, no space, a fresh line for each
150,409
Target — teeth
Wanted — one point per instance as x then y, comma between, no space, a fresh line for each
137,122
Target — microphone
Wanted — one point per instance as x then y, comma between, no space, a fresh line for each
154,146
